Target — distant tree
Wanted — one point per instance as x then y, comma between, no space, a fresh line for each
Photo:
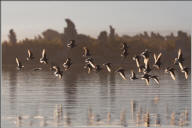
102,36
146,35
70,31
112,33
50,34
12,37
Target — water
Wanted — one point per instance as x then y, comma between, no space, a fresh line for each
30,94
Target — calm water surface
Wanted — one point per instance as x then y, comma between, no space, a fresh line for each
31,94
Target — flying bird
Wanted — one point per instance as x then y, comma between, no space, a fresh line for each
179,58
37,69
86,52
58,72
136,58
30,55
108,66
145,54
184,70
67,64
133,76
124,53
88,67
155,78
98,68
71,44
147,68
146,77
44,59
124,46
171,71
19,64
90,61
121,72
157,59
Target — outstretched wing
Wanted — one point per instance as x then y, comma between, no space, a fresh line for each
186,75
122,75
181,66
43,53
156,80
155,57
172,75
108,68
147,81
146,61
160,54
179,54
17,61
29,53
137,62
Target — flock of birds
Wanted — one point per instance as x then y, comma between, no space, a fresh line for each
91,66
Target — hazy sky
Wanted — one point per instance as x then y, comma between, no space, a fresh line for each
127,17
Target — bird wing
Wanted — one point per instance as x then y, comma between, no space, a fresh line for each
186,75
122,75
156,80
181,66
17,61
147,81
43,53
132,73
29,53
179,54
56,68
155,57
92,64
108,68
172,75
160,54
137,63
146,61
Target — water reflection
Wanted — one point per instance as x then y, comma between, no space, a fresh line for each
13,89
70,90
112,100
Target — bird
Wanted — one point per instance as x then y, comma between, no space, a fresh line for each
108,66
121,71
171,71
136,58
71,44
98,68
58,72
146,77
145,54
30,55
44,59
124,46
147,68
185,70
89,67
179,58
133,76
124,53
90,61
37,69
86,52
67,64
141,68
157,59
155,78
19,64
